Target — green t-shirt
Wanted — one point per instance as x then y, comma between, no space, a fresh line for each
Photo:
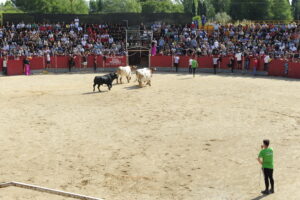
267,156
194,64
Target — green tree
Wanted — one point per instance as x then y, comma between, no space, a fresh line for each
96,6
52,6
164,6
281,10
9,7
296,9
194,8
121,6
253,10
221,5
210,9
188,6
222,18
201,8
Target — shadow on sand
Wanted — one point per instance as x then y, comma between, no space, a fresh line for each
237,75
134,87
260,197
96,92
186,78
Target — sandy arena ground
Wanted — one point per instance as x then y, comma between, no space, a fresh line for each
181,139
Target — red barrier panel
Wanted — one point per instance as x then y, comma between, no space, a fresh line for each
100,61
294,70
184,61
161,61
15,67
90,61
224,63
205,62
116,61
261,64
37,63
53,62
62,61
78,61
251,64
276,68
1,64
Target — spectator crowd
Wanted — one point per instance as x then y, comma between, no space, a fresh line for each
238,41
61,39
277,41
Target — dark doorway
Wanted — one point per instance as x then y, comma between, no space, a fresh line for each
138,57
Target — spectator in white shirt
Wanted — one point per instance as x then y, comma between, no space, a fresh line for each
4,69
267,60
238,57
176,62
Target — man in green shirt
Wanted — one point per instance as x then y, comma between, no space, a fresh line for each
194,66
265,158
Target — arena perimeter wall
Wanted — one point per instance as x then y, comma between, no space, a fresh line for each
61,63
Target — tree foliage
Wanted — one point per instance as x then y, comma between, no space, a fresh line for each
96,6
122,6
221,5
210,9
237,9
164,6
254,9
281,10
296,9
189,6
52,6
261,9
9,7
201,8
222,17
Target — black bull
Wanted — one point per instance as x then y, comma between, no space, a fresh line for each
106,79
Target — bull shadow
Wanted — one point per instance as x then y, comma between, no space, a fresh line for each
133,87
96,92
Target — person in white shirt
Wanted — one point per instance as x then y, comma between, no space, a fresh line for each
110,40
215,63
76,20
4,69
190,65
176,62
216,44
48,60
267,60
238,57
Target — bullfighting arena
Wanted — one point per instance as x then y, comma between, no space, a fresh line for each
183,138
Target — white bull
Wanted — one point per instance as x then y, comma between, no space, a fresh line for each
125,71
144,76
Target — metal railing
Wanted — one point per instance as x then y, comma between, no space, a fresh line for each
47,190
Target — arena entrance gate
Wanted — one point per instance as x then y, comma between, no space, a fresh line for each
138,56
138,44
